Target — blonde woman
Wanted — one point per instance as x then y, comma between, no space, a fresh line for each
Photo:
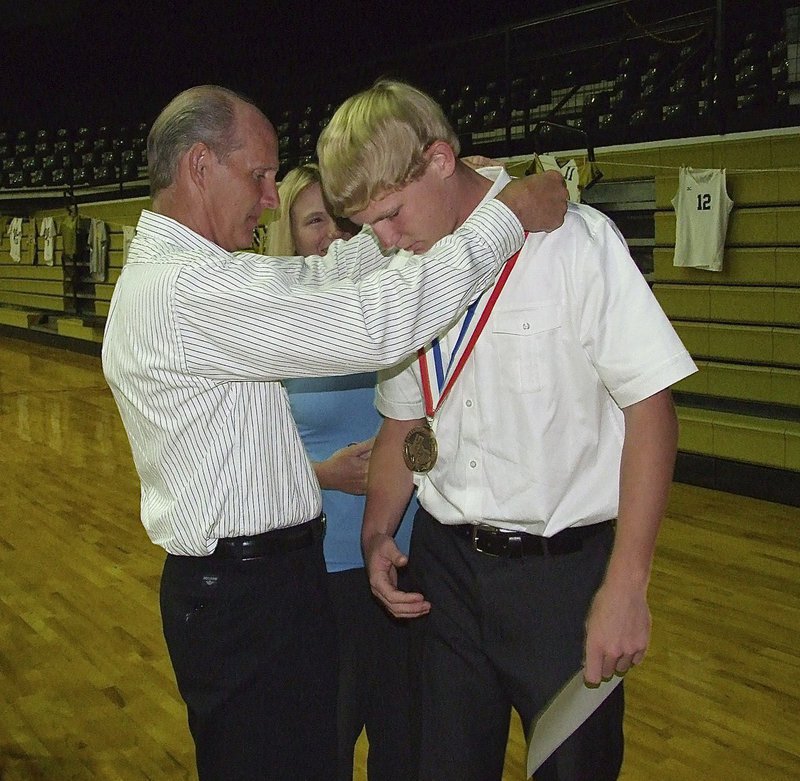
337,422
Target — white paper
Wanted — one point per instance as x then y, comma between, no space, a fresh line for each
566,712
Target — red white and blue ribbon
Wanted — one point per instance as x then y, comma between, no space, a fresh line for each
434,375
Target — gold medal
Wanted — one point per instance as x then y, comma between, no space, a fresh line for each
420,449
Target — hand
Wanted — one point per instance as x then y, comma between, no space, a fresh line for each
383,558
539,201
617,632
479,161
346,470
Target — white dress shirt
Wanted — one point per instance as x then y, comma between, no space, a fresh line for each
530,436
197,339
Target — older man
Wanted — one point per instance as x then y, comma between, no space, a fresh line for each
196,342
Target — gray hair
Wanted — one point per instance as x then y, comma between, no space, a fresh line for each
203,114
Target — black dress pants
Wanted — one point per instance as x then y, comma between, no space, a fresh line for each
374,686
253,646
504,632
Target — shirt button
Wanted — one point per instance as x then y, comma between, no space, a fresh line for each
473,464
468,402
526,326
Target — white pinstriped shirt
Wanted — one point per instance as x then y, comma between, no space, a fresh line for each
198,338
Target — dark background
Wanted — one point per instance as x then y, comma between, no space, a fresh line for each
90,62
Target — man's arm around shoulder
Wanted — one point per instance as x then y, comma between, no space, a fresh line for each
538,201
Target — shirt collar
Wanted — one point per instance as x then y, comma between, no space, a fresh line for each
499,177
156,227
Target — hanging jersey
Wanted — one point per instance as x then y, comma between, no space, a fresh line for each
15,239
702,207
29,241
69,235
47,230
128,234
98,250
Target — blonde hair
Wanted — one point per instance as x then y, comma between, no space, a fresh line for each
280,242
376,143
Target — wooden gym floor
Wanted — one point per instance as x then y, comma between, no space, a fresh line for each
86,690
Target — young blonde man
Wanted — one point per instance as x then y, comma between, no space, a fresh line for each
541,434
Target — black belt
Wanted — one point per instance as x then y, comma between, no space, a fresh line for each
277,541
512,544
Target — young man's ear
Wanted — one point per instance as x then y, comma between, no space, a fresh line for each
442,158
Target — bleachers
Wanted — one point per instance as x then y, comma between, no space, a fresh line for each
741,324
66,158
647,101
28,287
635,73
62,299
740,414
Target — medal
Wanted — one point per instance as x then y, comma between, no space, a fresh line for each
420,449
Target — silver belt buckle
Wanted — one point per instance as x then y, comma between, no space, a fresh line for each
476,541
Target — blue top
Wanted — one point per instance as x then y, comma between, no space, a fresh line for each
331,413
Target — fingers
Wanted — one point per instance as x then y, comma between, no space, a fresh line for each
625,662
539,201
360,477
479,161
602,667
555,176
401,604
560,198
617,633
353,470
593,668
360,449
383,559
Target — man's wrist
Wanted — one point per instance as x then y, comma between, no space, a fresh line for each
499,225
372,538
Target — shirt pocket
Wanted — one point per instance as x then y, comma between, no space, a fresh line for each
526,338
